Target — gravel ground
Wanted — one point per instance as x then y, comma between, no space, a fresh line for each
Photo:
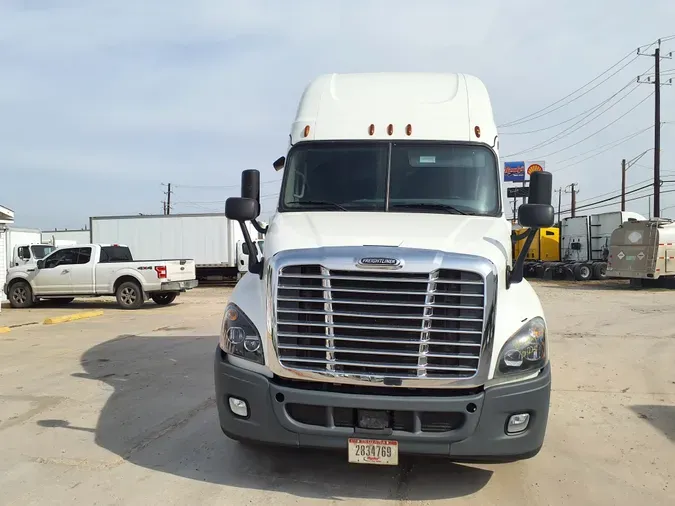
119,410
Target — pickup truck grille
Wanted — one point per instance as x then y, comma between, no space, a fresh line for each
380,324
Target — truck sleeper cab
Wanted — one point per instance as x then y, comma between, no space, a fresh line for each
386,315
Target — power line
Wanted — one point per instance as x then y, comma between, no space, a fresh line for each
212,187
596,132
608,199
611,192
536,115
570,165
587,112
627,200
571,129
612,144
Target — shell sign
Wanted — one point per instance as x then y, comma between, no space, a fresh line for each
534,167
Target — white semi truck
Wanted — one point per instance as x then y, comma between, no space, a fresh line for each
387,314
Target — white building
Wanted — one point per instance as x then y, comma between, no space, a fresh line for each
6,219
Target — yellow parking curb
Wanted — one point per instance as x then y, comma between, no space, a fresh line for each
72,317
4,330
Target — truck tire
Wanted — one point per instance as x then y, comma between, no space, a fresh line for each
539,271
600,270
20,295
163,299
583,272
129,295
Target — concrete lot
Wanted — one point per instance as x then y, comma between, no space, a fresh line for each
119,409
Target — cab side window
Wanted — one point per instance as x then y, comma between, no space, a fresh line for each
62,257
83,256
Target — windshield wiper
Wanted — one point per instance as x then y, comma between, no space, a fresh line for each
425,205
324,203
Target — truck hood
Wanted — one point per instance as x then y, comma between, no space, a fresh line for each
487,237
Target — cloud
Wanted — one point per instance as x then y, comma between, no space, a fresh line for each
193,92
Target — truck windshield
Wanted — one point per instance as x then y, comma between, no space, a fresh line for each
41,250
406,176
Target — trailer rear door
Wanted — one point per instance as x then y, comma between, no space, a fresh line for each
633,251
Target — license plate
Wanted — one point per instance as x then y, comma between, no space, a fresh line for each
373,451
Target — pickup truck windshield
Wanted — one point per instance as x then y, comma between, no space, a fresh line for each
425,177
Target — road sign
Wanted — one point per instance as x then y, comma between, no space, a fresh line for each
514,172
534,167
517,191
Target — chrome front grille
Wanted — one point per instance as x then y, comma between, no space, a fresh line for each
380,324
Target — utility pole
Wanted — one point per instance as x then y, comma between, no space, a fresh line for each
657,120
168,192
572,188
623,184
164,207
559,191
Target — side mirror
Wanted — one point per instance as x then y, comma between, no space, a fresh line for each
242,209
279,163
537,213
40,264
541,188
250,184
535,216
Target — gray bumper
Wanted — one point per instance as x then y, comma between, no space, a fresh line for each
479,436
179,286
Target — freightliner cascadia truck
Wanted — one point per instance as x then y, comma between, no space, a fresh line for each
387,315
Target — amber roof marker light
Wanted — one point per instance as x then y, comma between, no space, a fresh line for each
371,129
305,132
476,130
408,129
390,129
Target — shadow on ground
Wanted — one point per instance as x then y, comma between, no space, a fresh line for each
96,303
606,285
660,417
162,416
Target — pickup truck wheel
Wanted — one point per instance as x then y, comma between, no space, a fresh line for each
20,295
129,295
163,299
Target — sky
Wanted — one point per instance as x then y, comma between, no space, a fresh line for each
103,103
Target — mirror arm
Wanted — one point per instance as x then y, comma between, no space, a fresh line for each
516,275
259,228
255,266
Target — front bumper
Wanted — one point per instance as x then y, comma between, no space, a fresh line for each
478,431
178,286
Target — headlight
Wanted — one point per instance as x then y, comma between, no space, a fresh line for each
526,350
239,337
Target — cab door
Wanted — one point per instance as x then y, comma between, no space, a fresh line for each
54,276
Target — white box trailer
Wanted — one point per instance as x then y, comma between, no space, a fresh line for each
215,243
586,238
66,237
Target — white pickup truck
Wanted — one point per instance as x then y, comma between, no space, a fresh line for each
93,270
